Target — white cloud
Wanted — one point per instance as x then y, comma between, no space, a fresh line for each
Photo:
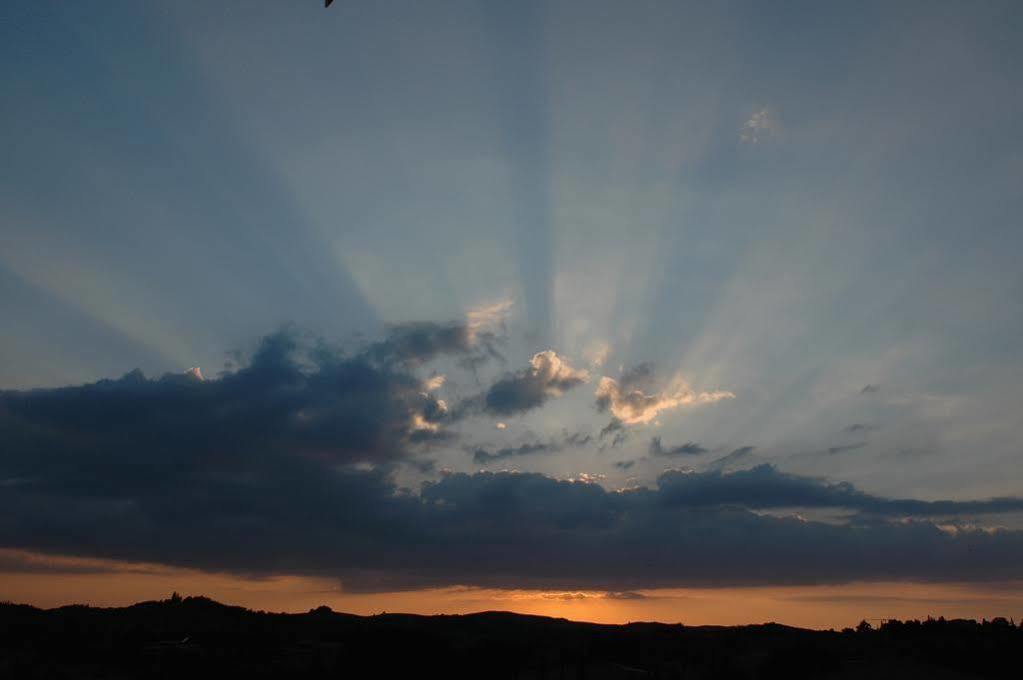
554,372
488,317
760,125
635,407
434,382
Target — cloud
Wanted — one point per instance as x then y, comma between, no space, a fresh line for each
625,595
488,319
288,464
845,448
615,427
434,383
293,395
765,487
731,460
625,464
21,561
294,514
577,439
759,126
687,449
547,376
482,455
631,405
859,427
485,455
421,342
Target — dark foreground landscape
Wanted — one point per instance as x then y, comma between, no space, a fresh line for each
197,637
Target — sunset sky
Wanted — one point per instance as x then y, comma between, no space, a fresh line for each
702,312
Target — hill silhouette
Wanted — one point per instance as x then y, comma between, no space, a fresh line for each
199,637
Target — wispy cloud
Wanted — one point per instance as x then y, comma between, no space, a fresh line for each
759,126
482,454
656,448
845,448
630,405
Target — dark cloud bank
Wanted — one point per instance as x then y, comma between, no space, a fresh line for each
265,470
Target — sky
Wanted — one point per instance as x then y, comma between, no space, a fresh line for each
699,312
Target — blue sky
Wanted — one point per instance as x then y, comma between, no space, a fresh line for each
803,219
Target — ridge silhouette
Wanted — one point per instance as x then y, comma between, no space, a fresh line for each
200,637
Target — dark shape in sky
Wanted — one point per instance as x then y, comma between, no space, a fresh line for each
845,448
867,389
736,457
859,427
482,455
577,439
574,440
421,342
639,377
617,428
687,449
614,425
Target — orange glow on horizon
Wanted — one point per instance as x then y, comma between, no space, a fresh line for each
49,581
